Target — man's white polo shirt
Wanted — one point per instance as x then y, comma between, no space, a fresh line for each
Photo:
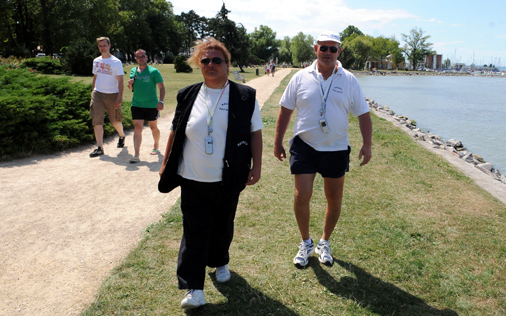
303,93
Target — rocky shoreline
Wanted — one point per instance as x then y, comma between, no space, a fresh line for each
422,73
453,146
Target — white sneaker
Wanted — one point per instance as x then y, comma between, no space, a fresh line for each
193,299
222,274
305,251
323,249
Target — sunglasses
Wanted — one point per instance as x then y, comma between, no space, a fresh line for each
324,48
216,60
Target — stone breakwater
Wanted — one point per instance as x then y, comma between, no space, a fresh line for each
453,146
411,73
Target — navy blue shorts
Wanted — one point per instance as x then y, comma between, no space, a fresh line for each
146,114
304,159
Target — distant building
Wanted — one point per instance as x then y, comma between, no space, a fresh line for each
434,62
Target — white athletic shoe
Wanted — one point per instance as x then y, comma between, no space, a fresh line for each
323,249
193,299
301,259
222,274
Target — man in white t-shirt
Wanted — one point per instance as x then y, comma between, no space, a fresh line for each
323,94
107,94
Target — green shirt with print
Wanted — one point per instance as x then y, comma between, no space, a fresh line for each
145,87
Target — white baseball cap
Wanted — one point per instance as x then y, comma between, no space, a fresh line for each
329,36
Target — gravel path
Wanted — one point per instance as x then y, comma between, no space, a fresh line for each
68,219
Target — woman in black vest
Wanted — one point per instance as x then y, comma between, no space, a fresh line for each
214,150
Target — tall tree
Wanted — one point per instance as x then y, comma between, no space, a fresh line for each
361,47
302,48
195,28
398,57
417,45
264,44
285,53
163,26
234,37
347,58
19,24
382,47
350,33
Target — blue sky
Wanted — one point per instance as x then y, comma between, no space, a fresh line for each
464,31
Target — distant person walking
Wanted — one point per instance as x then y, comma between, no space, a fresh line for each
145,104
107,95
323,95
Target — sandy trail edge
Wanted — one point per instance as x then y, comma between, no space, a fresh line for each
67,219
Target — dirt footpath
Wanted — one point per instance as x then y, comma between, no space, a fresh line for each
67,219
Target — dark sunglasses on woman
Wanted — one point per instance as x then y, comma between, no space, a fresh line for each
216,60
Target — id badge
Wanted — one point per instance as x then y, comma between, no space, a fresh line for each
209,145
324,126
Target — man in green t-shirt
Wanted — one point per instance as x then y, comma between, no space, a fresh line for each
145,104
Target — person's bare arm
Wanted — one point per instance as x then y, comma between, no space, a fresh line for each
365,124
256,152
93,83
281,126
121,87
161,87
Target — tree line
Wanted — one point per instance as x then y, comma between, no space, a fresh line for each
70,27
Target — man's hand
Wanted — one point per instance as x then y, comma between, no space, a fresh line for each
253,176
118,103
366,153
130,84
279,152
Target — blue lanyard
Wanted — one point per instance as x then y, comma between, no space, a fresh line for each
324,95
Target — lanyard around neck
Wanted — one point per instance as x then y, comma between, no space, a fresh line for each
211,115
324,95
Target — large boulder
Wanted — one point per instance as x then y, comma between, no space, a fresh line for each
457,144
487,166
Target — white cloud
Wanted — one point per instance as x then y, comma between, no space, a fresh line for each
433,20
288,17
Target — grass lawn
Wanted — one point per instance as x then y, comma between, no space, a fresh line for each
172,81
416,237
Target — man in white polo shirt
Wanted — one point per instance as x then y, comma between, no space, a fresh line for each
107,94
323,94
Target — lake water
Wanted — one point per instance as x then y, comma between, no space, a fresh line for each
470,109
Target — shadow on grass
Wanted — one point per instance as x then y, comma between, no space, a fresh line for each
242,299
374,294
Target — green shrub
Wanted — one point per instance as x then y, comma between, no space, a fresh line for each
41,115
44,65
181,65
78,57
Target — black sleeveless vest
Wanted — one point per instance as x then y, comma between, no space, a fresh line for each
237,160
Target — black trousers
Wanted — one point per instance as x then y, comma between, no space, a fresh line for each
208,228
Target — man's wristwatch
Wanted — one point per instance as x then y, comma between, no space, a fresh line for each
160,101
